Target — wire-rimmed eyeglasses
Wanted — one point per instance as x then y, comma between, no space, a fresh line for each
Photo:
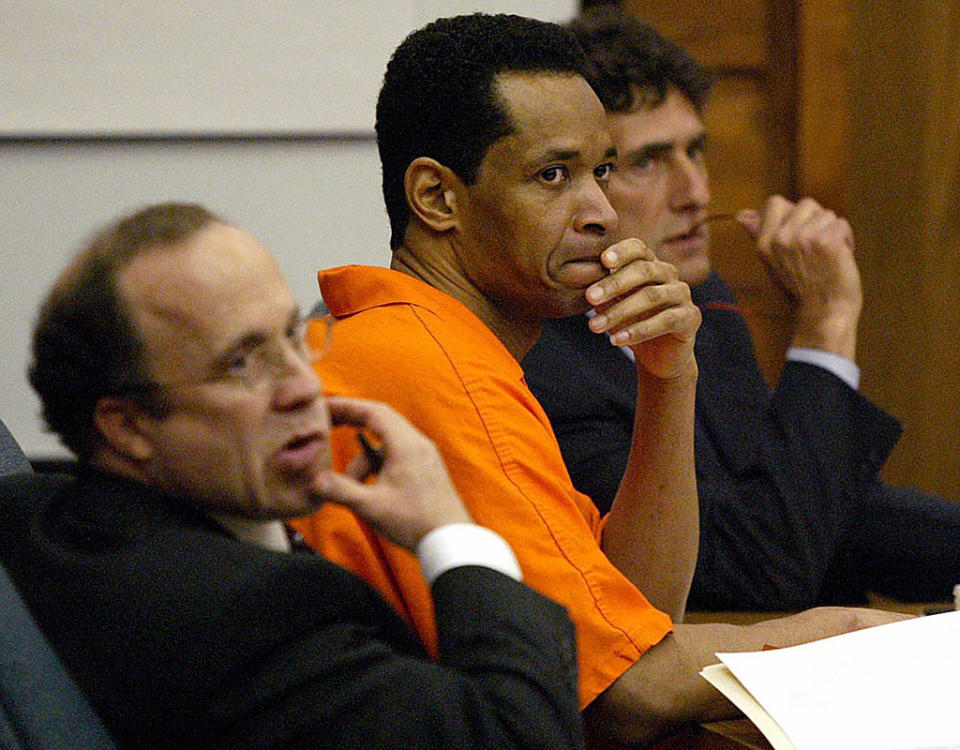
257,365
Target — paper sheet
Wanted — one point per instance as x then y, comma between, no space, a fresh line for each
891,687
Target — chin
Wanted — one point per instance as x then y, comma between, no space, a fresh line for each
695,272
282,501
295,504
567,308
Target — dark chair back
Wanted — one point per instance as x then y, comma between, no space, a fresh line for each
12,458
40,706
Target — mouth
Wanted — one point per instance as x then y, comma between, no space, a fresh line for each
590,262
583,271
302,452
694,233
579,274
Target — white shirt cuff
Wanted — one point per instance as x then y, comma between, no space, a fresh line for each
842,367
459,544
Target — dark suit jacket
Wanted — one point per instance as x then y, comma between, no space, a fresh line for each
183,636
777,473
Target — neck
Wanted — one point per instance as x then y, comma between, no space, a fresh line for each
264,532
516,330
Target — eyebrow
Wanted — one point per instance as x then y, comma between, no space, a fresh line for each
556,154
657,148
698,140
650,149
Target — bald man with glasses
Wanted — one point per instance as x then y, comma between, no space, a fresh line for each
171,358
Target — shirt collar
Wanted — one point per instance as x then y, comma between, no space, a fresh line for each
270,533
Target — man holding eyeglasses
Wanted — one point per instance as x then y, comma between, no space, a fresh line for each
170,357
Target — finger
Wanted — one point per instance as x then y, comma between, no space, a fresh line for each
358,412
623,252
679,322
846,232
774,214
369,503
390,427
634,275
393,435
817,225
373,457
342,488
804,225
831,231
641,304
613,259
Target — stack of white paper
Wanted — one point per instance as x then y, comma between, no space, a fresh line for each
890,687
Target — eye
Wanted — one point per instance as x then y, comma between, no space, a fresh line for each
553,175
297,335
697,151
602,172
237,363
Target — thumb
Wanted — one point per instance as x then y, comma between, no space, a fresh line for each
750,220
396,522
333,487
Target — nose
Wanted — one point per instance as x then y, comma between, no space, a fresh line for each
691,185
595,214
297,385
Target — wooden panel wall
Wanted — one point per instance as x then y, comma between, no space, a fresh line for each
824,39
905,201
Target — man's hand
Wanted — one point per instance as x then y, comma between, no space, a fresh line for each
413,494
809,252
644,305
664,690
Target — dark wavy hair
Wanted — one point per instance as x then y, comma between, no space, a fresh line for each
630,65
85,345
439,97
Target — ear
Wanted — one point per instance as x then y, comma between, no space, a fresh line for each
431,193
122,424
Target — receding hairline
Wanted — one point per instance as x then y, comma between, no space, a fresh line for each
549,152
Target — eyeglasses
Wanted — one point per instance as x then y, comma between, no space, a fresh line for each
260,365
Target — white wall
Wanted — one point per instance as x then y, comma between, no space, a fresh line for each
109,106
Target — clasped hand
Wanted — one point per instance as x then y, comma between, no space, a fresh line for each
809,252
643,304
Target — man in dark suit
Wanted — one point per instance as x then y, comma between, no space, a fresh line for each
791,511
170,357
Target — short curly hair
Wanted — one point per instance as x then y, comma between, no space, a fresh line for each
439,98
632,66
85,345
